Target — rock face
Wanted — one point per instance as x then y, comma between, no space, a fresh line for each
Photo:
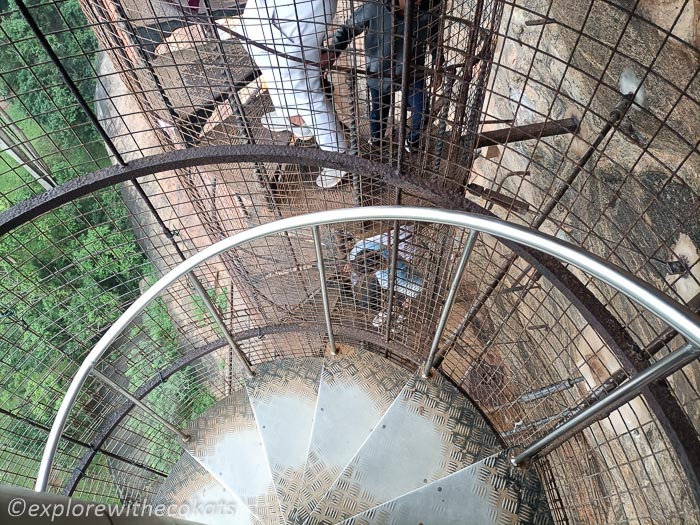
642,183
635,203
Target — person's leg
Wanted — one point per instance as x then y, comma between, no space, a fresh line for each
274,70
386,109
379,114
322,119
416,100
375,122
297,94
309,101
306,98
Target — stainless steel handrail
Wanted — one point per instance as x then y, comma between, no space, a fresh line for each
666,309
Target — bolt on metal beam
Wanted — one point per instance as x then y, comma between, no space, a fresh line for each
540,21
602,408
527,132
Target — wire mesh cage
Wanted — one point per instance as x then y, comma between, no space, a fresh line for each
136,134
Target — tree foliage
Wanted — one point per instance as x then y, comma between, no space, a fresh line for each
28,74
69,274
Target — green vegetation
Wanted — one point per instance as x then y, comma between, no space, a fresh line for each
40,88
14,187
67,276
182,397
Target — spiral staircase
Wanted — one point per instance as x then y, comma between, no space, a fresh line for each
181,324
348,439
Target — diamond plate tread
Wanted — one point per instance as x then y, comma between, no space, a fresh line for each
489,492
430,432
357,388
283,395
225,441
194,494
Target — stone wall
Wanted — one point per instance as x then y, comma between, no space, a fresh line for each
636,203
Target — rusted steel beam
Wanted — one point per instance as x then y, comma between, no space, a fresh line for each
499,198
540,21
527,132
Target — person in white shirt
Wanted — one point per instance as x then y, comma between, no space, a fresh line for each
368,269
408,243
290,35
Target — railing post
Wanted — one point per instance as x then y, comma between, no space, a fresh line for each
447,307
602,408
394,238
324,289
221,324
666,309
155,415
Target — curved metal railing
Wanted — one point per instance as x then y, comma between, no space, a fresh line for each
666,309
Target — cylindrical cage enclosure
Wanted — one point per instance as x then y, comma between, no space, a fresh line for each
136,134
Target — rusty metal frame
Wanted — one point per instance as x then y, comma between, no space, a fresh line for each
659,396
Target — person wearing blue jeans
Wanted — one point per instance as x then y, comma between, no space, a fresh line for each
381,107
383,26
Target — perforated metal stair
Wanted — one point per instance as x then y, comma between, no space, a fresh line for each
349,439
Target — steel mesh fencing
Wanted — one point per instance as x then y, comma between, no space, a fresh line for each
160,78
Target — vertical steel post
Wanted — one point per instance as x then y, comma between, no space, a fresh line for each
155,415
221,324
394,237
406,70
324,289
449,302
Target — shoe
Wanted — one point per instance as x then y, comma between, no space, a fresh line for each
329,178
275,122
379,319
302,132
373,141
410,147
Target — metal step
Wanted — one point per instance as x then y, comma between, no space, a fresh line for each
357,388
430,432
349,439
489,492
191,493
283,395
226,442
